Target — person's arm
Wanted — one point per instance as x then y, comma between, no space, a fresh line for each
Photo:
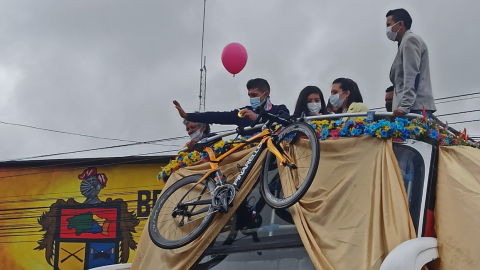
283,111
411,73
223,118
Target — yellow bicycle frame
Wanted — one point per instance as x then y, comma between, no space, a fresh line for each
265,135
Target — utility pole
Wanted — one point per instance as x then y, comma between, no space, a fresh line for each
203,69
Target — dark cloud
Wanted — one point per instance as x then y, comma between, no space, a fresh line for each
112,68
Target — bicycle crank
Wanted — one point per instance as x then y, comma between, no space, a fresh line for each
223,197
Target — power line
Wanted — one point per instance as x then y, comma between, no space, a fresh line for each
100,165
462,112
467,121
475,93
65,132
100,148
86,150
443,98
77,134
460,99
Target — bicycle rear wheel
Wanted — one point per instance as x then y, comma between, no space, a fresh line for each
182,213
283,186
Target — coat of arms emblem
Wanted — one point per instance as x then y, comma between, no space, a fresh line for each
89,234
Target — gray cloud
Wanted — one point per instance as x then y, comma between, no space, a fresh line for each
112,68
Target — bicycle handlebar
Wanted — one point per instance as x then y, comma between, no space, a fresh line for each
260,110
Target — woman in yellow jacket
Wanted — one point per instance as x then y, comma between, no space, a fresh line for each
346,97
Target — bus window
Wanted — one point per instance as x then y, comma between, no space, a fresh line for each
288,258
257,229
254,221
412,167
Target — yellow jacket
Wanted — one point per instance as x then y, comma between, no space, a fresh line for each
355,107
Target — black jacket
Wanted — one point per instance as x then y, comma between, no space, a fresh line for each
231,117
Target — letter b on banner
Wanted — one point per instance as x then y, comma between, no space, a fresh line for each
145,202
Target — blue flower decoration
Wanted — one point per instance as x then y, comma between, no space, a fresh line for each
434,134
416,130
324,134
383,134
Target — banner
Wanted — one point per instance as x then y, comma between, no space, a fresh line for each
59,217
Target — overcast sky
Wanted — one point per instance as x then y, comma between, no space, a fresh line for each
112,68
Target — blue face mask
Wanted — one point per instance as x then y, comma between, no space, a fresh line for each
254,102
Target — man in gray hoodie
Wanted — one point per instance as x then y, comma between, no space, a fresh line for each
410,72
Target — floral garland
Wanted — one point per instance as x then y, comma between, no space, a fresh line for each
400,129
184,159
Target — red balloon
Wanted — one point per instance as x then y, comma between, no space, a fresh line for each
234,57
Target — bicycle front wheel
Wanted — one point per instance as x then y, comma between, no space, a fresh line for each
283,186
182,213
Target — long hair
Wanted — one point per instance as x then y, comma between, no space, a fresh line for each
302,101
350,85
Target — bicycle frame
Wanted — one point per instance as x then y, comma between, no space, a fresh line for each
265,142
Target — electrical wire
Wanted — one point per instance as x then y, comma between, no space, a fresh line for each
462,112
467,121
66,132
460,99
99,148
99,165
443,98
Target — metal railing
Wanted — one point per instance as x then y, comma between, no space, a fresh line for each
376,115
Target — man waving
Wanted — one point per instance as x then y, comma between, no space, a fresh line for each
258,91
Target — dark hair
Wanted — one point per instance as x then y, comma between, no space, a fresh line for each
400,15
259,83
329,105
349,85
302,101
389,89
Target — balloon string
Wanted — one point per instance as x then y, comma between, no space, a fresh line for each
237,93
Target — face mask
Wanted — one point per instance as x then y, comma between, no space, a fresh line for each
388,106
254,102
197,135
314,108
390,34
336,101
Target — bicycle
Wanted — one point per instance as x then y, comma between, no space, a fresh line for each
194,200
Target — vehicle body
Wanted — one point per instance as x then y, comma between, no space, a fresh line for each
261,237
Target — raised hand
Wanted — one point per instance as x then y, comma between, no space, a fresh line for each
181,112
